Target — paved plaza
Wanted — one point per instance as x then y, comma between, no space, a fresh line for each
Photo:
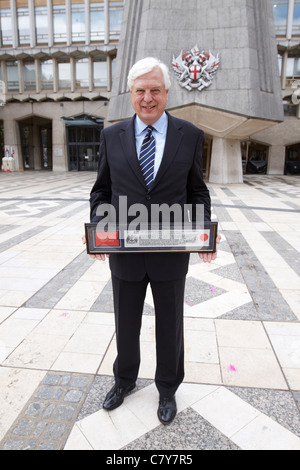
57,340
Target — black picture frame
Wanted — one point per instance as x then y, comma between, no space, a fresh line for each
172,239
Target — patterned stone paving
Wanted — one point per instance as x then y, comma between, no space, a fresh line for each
242,333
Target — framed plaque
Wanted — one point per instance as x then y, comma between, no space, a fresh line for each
171,239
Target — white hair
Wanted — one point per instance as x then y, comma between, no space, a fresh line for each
145,66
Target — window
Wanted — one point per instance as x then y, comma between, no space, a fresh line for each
100,73
6,28
64,74
296,18
82,73
78,23
293,67
12,75
115,18
41,20
23,25
280,9
59,23
97,21
29,75
47,74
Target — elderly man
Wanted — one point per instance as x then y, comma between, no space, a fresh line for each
172,175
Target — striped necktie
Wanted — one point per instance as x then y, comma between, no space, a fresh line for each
147,157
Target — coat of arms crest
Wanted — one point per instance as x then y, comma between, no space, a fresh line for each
195,69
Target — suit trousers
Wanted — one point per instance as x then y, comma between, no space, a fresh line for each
168,297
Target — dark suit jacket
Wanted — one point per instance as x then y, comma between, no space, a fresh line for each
178,180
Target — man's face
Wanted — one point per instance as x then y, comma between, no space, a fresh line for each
149,96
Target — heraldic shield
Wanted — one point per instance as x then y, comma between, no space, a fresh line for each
195,69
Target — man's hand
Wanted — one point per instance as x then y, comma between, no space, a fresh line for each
99,257
208,257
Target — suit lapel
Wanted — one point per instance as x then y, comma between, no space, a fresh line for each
173,139
127,136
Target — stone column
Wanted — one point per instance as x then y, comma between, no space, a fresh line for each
283,69
21,76
14,24
226,161
87,22
289,26
55,75
32,23
276,160
91,74
106,22
109,72
69,22
59,146
4,77
37,64
50,23
73,74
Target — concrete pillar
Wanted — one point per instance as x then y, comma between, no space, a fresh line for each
73,74
38,78
91,74
59,146
276,160
50,23
226,161
4,77
87,22
106,22
55,75
109,72
21,76
32,23
14,23
289,26
69,22
283,69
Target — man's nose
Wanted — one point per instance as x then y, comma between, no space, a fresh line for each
148,96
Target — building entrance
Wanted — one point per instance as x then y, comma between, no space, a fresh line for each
36,143
83,137
254,157
292,160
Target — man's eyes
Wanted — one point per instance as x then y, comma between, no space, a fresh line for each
155,90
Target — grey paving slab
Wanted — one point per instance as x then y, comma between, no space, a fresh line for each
268,300
290,254
49,295
65,399
46,420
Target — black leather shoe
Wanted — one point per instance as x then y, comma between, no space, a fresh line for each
115,397
167,410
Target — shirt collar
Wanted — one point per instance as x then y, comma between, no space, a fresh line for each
160,125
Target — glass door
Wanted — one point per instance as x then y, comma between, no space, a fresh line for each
83,139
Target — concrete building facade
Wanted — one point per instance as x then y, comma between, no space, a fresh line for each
57,60
64,66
